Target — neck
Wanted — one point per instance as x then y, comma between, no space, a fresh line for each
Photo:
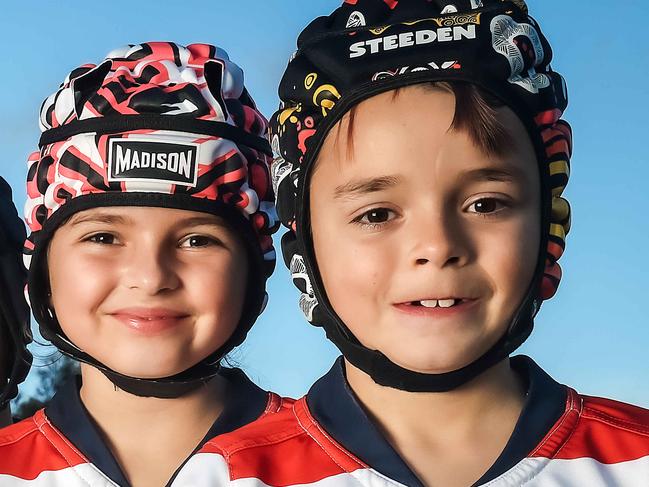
460,410
435,432
160,432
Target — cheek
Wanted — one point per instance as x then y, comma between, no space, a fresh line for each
217,291
511,258
354,272
79,285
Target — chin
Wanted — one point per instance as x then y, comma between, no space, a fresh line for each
147,367
430,360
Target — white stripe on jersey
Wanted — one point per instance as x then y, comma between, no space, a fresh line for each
209,470
84,474
580,472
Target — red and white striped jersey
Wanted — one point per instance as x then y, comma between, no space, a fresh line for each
326,440
61,447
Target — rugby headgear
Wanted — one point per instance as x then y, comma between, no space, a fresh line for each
154,124
14,313
366,47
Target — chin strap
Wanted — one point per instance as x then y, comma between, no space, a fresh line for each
165,387
378,366
386,373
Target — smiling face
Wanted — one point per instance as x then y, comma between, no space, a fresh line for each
149,292
425,243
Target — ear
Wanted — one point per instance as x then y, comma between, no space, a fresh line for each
213,72
87,85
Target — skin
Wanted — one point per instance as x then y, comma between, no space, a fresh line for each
108,268
418,212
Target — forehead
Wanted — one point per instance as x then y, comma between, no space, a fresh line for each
413,131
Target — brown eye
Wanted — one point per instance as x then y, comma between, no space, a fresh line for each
375,218
102,238
378,215
487,205
199,241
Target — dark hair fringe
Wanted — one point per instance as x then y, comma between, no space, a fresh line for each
475,113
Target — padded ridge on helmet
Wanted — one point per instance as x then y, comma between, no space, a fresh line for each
127,123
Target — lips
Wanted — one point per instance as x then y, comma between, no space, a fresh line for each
432,307
150,320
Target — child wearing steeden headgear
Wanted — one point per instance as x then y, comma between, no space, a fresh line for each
420,159
14,313
151,212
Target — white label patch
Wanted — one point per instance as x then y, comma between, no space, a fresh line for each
142,160
356,19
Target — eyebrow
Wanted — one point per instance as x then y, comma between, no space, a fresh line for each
359,187
506,174
114,219
211,220
106,218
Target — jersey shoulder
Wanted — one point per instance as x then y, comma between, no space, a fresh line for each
285,448
33,446
604,430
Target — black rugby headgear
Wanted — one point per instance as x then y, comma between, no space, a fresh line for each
366,47
14,313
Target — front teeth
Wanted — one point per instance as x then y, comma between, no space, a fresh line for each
434,303
446,303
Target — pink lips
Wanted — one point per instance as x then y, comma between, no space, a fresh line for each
149,321
436,312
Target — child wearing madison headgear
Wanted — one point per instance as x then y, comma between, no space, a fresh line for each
420,159
150,212
14,313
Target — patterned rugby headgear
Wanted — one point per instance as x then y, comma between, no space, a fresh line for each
366,47
154,124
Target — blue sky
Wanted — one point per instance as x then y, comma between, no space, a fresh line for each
594,335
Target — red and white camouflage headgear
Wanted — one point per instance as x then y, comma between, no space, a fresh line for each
154,124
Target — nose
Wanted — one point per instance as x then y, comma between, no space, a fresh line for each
438,240
149,267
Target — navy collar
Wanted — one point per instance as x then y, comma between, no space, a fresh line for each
245,403
336,408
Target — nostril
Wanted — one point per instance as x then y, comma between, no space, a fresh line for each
422,261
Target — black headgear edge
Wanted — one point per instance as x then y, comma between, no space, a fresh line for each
197,375
14,312
382,370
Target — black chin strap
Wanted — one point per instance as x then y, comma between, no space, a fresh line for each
165,387
386,373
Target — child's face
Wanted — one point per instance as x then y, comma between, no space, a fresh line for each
412,213
147,291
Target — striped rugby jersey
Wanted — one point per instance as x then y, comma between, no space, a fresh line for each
60,446
562,439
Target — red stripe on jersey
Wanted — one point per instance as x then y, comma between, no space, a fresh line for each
282,449
604,430
34,446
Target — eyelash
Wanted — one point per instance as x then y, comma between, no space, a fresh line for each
372,225
503,205
208,240
94,238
